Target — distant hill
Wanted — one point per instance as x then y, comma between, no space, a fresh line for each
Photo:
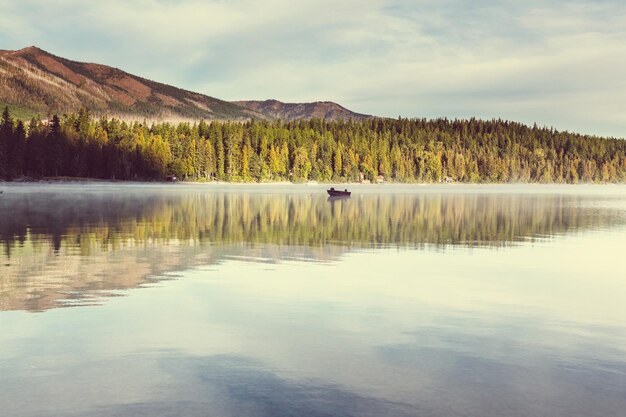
275,109
33,80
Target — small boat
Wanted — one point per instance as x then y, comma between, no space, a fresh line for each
337,193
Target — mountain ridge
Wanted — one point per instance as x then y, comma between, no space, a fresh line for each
37,81
294,111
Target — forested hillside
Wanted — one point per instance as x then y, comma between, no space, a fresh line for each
402,150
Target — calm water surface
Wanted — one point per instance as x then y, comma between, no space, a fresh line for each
152,300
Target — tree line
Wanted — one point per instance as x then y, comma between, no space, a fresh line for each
400,150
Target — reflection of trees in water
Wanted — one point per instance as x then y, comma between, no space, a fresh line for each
108,221
39,278
77,247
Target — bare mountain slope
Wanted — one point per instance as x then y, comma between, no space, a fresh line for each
37,80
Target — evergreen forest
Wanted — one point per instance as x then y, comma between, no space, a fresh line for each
399,150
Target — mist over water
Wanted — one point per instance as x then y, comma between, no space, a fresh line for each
278,301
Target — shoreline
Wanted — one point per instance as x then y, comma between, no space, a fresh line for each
84,180
95,181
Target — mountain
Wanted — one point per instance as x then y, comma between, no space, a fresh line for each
275,109
34,80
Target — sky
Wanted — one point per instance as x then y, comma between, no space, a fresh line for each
555,63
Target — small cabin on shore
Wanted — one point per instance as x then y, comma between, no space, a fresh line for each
171,178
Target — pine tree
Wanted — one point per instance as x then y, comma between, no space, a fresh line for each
6,139
17,151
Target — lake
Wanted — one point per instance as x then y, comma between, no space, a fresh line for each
275,300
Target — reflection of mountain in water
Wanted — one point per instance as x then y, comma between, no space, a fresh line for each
73,246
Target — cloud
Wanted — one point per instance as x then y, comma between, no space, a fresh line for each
557,64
